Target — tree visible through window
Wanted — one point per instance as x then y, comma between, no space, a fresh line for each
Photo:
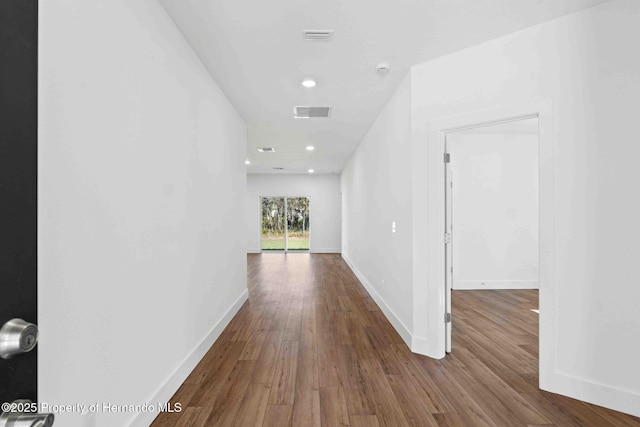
298,223
285,216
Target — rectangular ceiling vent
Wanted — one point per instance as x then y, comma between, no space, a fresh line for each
318,35
311,112
267,150
278,169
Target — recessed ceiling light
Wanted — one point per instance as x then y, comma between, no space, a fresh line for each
311,171
310,148
247,162
308,83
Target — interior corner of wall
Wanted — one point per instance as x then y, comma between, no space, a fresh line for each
171,384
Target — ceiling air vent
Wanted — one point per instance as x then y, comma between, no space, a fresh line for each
318,35
278,169
267,150
311,112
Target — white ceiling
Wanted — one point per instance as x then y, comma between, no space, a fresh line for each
254,49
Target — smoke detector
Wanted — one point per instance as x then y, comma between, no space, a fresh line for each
382,68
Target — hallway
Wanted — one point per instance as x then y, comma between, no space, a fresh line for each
310,347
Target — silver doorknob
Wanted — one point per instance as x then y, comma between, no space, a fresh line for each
17,337
14,419
25,419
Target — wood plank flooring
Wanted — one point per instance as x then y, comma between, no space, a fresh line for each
311,348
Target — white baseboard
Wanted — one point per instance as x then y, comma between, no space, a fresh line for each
402,330
325,250
175,380
494,284
598,394
312,250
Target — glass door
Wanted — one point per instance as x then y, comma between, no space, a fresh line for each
285,224
273,224
297,223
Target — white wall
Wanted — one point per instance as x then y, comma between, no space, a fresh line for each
376,189
141,170
580,63
584,65
494,208
324,193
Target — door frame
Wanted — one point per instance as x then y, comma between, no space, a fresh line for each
19,47
286,242
435,250
448,207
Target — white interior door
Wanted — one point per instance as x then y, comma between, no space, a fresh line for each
448,232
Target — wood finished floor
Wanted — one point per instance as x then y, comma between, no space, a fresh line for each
311,348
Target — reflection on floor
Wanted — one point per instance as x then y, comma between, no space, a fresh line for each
311,348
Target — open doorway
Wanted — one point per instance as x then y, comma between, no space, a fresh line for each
285,224
492,228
